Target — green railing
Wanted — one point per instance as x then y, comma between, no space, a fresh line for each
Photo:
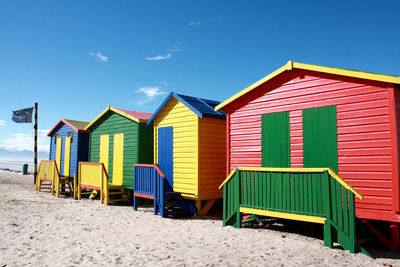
316,195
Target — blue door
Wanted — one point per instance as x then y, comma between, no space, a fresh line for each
165,153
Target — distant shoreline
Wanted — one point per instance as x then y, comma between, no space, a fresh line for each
16,165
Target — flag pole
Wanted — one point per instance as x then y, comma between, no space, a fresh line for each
35,149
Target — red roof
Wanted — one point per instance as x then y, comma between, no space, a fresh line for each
136,114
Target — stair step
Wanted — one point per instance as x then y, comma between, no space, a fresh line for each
114,186
116,193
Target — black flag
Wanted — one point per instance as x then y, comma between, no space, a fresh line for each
23,115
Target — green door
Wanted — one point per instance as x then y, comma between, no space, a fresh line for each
275,145
275,140
320,145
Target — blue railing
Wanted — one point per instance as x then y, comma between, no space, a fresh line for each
150,182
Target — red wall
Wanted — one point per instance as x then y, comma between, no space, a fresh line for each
364,131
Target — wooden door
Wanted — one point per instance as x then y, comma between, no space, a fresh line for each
118,159
58,153
104,147
165,153
275,144
320,143
67,156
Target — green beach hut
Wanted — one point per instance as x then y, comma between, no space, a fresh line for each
120,138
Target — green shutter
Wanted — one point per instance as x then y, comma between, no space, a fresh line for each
275,138
320,137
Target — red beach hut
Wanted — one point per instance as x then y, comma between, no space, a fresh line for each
343,119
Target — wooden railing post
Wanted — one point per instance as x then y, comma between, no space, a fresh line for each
237,198
161,196
154,188
326,194
135,175
79,195
225,205
352,226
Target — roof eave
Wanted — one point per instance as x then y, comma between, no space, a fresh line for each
180,99
329,70
66,123
133,118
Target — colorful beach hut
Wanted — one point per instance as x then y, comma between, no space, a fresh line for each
189,148
69,143
120,138
307,116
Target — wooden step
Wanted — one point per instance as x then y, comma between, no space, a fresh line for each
114,187
116,193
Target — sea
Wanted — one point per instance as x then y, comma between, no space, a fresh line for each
16,165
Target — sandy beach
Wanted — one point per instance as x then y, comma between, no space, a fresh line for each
39,229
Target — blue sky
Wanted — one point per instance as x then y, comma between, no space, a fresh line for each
75,57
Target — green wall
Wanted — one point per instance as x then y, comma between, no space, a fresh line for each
112,123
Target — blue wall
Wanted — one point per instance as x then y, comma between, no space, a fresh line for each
79,147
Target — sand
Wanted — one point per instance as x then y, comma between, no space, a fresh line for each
39,229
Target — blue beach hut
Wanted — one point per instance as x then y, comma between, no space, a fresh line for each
69,144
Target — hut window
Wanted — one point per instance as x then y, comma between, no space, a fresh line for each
55,139
70,135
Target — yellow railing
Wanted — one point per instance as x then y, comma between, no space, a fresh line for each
93,175
48,171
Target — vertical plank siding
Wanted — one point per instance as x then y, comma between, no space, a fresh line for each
212,157
112,123
296,139
363,126
185,144
62,133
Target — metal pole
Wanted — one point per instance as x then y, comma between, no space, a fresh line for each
35,149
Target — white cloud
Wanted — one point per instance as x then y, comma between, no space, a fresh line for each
150,92
175,48
3,123
160,57
194,23
99,56
23,141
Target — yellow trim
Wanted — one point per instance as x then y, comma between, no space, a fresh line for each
284,215
283,169
349,73
295,65
116,111
343,183
189,196
227,178
329,170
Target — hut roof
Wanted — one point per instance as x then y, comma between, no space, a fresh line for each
77,126
139,117
200,106
295,65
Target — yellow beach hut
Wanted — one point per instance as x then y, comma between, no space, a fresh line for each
189,150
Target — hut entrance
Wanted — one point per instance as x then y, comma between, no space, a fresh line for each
118,159
58,153
320,144
275,140
104,143
165,152
67,156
